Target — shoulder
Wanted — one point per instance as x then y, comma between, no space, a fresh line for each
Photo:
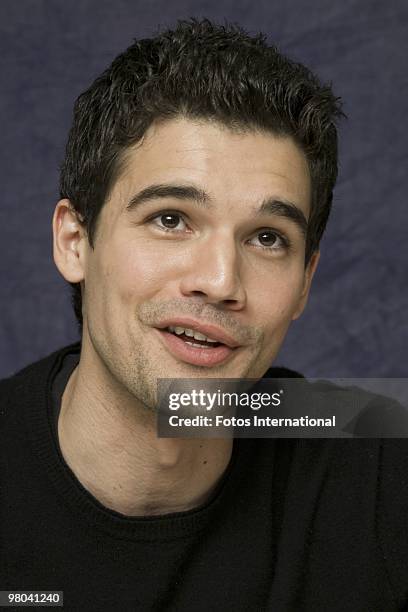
27,382
362,412
41,364
392,512
282,372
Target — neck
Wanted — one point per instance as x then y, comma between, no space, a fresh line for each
110,443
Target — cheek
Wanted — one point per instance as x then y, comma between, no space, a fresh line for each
276,298
136,270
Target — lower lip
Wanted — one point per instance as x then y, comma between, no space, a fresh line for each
200,356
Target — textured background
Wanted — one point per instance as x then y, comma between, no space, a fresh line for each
356,321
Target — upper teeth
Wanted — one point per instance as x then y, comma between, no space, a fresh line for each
190,332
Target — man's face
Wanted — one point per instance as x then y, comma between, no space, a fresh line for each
200,257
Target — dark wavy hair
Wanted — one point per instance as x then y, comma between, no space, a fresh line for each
198,70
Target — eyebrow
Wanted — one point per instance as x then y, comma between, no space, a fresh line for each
179,192
288,210
269,206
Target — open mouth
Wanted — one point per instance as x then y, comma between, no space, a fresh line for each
193,338
190,346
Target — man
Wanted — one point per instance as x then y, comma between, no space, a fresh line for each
196,186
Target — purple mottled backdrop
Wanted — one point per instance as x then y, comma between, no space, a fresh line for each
50,50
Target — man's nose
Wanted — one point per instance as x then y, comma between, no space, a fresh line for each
214,272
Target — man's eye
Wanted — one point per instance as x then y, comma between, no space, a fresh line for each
168,221
271,240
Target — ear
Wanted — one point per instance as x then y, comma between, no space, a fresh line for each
309,273
70,242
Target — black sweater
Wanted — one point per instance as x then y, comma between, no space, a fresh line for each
294,525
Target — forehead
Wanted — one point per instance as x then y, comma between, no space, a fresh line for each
235,168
